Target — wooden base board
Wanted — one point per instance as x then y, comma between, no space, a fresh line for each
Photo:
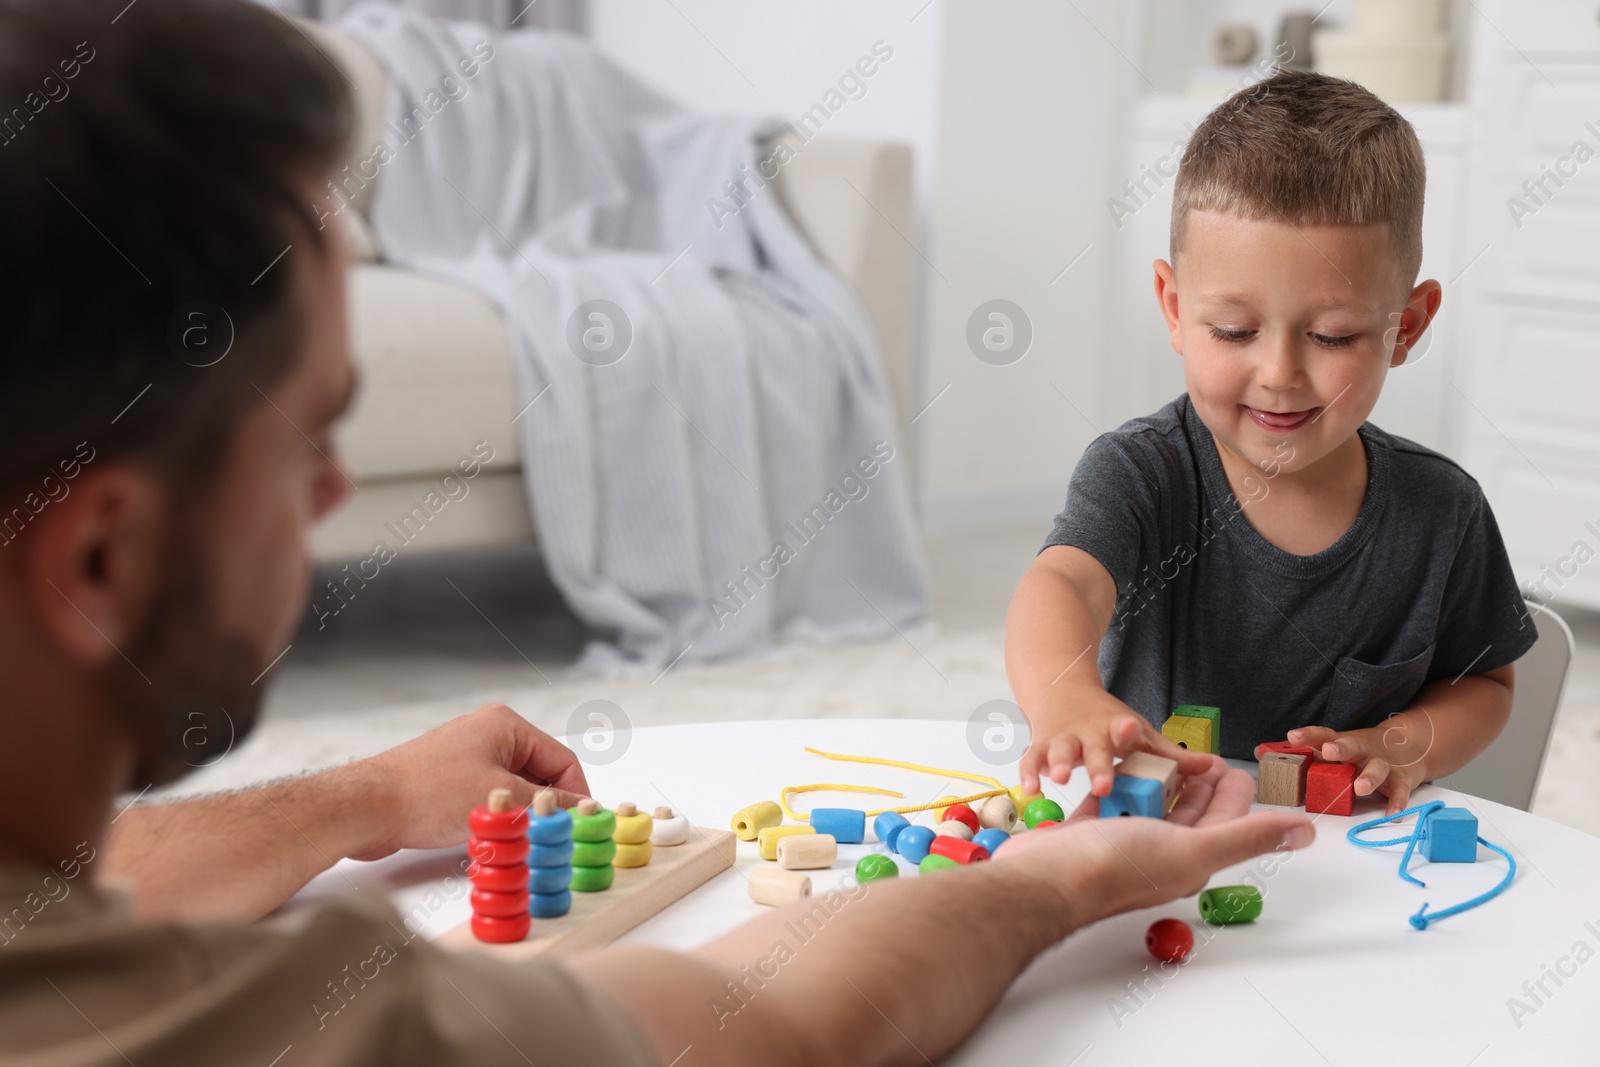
598,919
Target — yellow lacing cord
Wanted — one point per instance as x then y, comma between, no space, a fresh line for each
981,779
783,795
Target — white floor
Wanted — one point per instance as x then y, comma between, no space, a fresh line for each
433,638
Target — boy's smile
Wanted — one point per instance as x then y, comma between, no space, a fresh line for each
1287,333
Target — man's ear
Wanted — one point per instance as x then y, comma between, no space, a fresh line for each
1407,325
1167,298
89,563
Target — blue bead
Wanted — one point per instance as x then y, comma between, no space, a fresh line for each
1451,836
887,826
549,879
549,905
912,842
847,825
550,855
550,829
1133,796
991,839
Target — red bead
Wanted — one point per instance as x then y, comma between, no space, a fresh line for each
1045,824
489,928
1330,789
501,905
956,849
1170,940
499,879
498,825
493,853
1287,749
961,813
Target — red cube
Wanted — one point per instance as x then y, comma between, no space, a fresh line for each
1331,788
1287,749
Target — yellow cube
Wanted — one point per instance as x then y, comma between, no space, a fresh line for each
1189,732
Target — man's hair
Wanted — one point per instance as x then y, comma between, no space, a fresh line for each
1306,148
154,162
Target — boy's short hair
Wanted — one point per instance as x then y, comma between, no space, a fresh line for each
1306,148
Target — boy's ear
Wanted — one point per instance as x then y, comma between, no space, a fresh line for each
1407,324
1167,297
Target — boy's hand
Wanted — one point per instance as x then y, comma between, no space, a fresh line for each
1094,729
1391,761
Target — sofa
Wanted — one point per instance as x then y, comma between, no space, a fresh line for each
435,359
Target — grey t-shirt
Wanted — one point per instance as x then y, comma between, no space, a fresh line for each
1209,612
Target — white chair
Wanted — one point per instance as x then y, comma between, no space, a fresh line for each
1508,771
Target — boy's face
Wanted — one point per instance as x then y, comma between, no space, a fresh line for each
1287,332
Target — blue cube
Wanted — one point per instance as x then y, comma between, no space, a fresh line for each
1451,836
1132,796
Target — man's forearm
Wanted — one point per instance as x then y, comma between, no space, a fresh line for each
240,855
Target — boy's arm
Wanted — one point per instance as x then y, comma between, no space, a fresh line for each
1058,616
1443,730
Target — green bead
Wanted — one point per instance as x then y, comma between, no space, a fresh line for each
1230,904
872,867
593,879
1040,810
594,853
932,862
597,827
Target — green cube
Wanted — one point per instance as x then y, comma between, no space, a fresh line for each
1197,711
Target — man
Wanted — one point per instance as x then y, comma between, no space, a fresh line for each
160,174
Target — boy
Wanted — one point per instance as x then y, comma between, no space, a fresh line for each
1255,545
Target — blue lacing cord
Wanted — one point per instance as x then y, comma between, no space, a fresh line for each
1424,812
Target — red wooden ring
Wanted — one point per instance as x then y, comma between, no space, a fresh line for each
489,928
498,825
499,905
499,879
498,853
956,849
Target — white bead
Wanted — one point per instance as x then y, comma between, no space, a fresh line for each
954,828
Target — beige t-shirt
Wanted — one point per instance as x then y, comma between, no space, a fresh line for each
82,983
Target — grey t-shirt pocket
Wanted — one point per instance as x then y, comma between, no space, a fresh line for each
1363,694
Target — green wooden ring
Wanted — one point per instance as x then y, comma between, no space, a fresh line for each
594,853
1227,904
597,827
593,879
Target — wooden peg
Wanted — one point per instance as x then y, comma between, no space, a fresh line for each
775,886
663,812
499,800
626,809
544,803
588,806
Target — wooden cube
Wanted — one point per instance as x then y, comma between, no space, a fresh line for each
1451,836
1140,764
1214,715
1284,746
1187,731
1331,788
1133,796
1281,779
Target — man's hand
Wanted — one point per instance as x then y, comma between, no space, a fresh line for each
432,782
1092,727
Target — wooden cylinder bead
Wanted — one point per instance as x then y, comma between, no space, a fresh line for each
768,840
549,905
593,879
544,802
958,850
935,862
497,825
847,826
998,813
500,931
1226,904
633,853
887,826
873,868
775,886
963,814
549,879
593,853
913,842
552,829
1040,810
991,838
669,829
807,852
499,905
597,825
747,823
633,828
557,855
955,829
511,879
493,853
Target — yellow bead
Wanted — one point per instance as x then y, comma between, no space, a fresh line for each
634,854
748,822
633,829
771,835
944,802
1188,731
1022,798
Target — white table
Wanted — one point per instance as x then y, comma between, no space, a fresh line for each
1331,973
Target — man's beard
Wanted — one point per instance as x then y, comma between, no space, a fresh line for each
198,696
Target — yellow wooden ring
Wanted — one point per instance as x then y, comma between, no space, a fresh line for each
634,854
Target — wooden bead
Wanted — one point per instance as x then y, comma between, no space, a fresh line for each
848,826
500,931
1281,779
952,828
997,813
1451,836
497,825
1330,789
956,849
593,853
492,853
1227,904
961,813
1022,799
772,885
913,842
668,829
550,829
597,825
1140,764
1288,749
633,828
768,840
887,826
633,854
807,852
1041,809
938,809
557,855
549,905
509,879
1170,940
1190,732
1210,715
873,868
748,822
593,879
499,905
1132,796
935,862
991,838
549,879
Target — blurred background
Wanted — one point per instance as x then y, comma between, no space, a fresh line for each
995,192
